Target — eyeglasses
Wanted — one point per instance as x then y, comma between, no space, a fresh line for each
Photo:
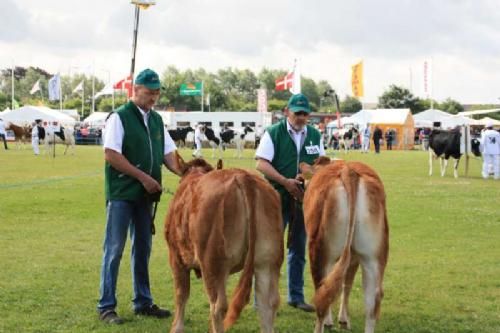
301,113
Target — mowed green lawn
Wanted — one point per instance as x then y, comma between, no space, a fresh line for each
443,273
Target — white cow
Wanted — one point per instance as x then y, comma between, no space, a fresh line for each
51,138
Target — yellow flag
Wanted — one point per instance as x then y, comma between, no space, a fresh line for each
357,80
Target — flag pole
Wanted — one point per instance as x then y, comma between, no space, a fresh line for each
432,83
83,96
93,88
12,87
60,99
134,45
202,96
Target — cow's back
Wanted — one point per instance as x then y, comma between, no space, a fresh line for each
216,223
326,207
346,222
227,203
220,223
445,143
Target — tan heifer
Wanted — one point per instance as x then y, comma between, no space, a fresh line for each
346,223
221,222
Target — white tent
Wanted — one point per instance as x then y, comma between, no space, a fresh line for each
27,114
73,113
428,117
484,121
96,119
398,120
377,116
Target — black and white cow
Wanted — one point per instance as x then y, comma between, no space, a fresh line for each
179,135
213,140
445,144
238,137
347,138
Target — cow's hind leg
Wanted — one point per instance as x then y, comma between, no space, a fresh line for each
215,285
182,287
343,318
431,157
443,163
455,168
372,286
267,294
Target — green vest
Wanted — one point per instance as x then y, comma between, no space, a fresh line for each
142,147
285,159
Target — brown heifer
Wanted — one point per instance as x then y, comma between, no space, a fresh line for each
21,134
346,223
221,222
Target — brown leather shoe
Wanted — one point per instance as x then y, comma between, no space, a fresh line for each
153,311
302,306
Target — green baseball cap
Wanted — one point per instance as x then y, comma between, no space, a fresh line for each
299,102
149,79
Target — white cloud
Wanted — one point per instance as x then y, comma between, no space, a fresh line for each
391,36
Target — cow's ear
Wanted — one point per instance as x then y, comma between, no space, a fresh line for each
219,164
307,175
180,163
322,160
304,167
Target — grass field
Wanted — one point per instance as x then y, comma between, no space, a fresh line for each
443,273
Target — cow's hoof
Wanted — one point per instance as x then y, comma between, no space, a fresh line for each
345,325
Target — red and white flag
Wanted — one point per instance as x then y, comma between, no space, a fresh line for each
124,84
291,81
284,83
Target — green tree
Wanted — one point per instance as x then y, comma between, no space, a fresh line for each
451,106
398,98
350,104
276,104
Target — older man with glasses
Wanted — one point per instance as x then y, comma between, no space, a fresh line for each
282,148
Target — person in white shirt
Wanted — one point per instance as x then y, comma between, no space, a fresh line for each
135,148
3,134
366,139
35,139
490,143
282,148
198,139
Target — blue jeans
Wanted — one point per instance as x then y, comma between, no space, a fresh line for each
121,216
296,254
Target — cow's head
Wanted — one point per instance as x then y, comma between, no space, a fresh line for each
195,166
248,129
474,144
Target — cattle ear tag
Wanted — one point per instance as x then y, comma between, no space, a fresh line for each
219,164
307,175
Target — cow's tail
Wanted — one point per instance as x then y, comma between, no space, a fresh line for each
331,285
241,294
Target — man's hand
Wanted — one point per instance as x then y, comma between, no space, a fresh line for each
294,187
150,184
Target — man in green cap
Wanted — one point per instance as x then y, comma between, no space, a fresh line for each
281,149
135,147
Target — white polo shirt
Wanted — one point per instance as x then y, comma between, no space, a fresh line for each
266,146
114,133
